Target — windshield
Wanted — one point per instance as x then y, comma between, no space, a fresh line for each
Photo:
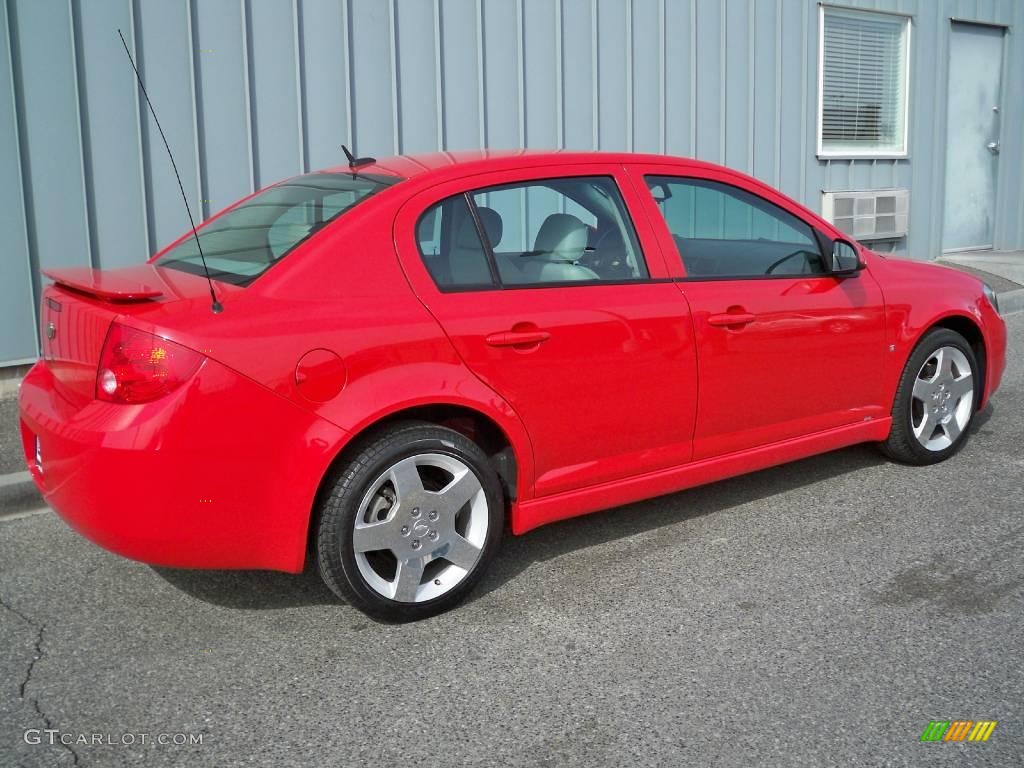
243,243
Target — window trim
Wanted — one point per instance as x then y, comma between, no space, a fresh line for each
816,232
903,152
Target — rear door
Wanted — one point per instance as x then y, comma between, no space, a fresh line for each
556,300
783,349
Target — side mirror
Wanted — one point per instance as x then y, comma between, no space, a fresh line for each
845,259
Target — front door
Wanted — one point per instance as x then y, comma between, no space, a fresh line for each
972,136
556,301
783,350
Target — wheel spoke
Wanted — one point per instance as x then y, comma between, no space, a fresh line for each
944,364
952,429
460,490
406,479
927,426
461,552
962,386
370,538
923,389
408,578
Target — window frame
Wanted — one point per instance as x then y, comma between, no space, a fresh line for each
903,151
821,239
499,284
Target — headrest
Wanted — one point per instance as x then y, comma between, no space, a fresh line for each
492,223
468,237
563,236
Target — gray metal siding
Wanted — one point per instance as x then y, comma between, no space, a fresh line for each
249,91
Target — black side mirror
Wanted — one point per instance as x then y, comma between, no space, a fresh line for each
845,259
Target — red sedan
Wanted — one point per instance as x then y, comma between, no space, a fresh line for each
415,353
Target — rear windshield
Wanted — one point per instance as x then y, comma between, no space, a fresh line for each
243,243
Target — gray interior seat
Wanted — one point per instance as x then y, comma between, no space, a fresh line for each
561,241
467,260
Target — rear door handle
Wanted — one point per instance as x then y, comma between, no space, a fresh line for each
517,338
731,318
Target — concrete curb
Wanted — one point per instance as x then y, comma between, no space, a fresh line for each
1011,302
18,494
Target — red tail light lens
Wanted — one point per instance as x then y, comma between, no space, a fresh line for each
136,367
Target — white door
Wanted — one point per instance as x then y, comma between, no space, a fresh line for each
972,136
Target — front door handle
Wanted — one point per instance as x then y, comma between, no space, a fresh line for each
519,339
728,319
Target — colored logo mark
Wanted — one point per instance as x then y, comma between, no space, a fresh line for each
958,730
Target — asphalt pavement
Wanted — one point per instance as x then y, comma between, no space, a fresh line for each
820,613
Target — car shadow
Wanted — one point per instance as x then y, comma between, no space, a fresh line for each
519,552
551,541
252,590
258,590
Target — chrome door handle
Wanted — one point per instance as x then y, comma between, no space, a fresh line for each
729,319
517,338
993,147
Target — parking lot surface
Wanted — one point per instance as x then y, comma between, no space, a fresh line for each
819,613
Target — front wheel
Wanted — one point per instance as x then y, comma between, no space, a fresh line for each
935,401
411,522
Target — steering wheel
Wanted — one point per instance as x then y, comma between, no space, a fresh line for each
599,262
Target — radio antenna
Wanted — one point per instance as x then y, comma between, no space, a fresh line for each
217,307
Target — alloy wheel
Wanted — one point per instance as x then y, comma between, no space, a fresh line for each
420,528
943,397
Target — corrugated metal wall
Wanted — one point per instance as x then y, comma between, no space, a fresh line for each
249,91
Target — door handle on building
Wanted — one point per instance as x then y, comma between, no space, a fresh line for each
993,147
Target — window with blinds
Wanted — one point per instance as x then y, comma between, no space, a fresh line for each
863,104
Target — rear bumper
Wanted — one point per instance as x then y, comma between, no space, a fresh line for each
221,473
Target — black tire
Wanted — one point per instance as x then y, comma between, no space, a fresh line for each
338,510
902,445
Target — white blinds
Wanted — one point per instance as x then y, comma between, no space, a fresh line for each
864,68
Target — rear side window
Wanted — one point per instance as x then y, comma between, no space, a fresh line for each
449,240
722,231
243,243
532,233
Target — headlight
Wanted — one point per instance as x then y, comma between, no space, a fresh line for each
993,299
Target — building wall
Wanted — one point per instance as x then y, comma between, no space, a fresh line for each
250,91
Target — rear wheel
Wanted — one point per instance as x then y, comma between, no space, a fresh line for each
411,522
936,400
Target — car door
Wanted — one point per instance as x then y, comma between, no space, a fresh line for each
555,299
784,350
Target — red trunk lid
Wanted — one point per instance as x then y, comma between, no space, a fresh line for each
78,309
73,329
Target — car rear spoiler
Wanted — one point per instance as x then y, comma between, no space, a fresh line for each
112,285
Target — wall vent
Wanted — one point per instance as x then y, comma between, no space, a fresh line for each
875,214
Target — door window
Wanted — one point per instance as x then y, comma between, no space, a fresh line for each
540,232
722,231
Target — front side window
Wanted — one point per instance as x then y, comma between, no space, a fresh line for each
539,232
723,231
864,60
243,243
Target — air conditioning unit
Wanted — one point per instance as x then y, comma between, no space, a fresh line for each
874,214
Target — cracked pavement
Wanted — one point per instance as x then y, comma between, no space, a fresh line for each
819,613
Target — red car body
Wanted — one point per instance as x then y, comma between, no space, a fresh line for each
640,389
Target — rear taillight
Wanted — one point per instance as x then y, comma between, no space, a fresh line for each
136,367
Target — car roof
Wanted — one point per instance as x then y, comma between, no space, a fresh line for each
441,165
